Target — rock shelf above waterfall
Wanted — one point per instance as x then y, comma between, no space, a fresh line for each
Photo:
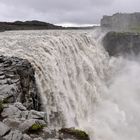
122,43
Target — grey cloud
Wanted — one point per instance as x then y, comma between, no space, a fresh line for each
61,11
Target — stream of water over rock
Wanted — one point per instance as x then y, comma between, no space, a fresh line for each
80,85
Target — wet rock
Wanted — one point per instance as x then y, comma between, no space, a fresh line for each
31,125
122,43
17,82
20,106
26,137
19,117
14,135
36,115
50,133
12,123
24,127
11,112
3,129
74,134
24,114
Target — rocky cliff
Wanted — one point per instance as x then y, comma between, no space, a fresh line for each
21,117
17,82
118,43
121,21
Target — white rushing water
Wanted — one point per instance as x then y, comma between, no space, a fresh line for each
79,84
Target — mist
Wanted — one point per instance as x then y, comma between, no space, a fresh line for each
117,114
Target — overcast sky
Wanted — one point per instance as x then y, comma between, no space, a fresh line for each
64,11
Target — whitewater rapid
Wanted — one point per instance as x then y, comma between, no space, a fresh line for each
80,85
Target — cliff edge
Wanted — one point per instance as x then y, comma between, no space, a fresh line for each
122,22
122,43
21,115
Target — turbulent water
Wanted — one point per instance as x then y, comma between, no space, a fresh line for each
80,85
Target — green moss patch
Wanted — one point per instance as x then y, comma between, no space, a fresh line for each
79,134
36,127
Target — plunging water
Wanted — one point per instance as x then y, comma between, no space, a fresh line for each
80,85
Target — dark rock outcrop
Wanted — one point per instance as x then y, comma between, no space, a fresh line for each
122,21
122,43
17,82
20,104
73,134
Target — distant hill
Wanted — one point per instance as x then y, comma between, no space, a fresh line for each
27,25
34,25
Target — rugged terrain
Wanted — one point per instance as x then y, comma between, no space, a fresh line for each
21,117
118,43
122,22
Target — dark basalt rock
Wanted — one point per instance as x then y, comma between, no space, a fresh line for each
19,102
122,22
122,43
73,134
17,82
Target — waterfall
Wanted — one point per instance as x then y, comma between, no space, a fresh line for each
80,85
117,115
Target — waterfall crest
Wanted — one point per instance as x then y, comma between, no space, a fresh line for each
78,82
69,67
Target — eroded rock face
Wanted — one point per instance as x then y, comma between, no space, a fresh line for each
3,129
122,43
17,82
17,122
121,21
14,135
20,115
74,134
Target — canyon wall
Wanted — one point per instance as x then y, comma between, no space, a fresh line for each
121,21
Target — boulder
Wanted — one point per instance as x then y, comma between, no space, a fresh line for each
74,134
122,43
36,115
11,112
14,135
12,123
17,82
32,125
20,106
24,114
26,137
24,127
3,129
